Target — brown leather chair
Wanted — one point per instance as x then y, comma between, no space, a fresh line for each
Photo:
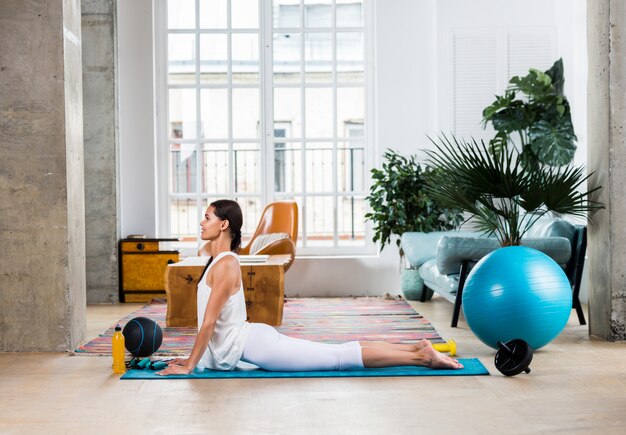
277,217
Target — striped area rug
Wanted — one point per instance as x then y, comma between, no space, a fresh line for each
330,320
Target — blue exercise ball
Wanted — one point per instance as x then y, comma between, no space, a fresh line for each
517,292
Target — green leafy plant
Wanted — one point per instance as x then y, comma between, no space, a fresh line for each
534,116
499,192
399,202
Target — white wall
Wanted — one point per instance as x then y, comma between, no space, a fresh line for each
136,117
566,17
407,90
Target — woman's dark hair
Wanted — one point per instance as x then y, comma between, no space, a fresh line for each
228,210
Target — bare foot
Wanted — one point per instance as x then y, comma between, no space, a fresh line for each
421,345
437,360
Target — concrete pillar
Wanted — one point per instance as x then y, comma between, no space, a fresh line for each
42,227
100,137
607,157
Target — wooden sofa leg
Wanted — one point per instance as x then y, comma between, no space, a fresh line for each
459,293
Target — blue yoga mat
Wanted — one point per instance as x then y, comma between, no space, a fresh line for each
471,367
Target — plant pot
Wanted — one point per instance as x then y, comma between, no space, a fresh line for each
412,285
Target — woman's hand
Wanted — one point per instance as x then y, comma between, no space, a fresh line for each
174,369
178,361
177,366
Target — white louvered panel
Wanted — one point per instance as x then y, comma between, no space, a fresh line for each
536,50
475,81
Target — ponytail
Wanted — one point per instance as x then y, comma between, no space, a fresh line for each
235,243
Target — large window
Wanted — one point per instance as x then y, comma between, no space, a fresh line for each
262,101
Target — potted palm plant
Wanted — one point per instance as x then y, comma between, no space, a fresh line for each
525,172
503,196
399,203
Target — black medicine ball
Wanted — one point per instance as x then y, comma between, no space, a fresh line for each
142,336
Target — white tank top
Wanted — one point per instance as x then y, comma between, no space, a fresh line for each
231,329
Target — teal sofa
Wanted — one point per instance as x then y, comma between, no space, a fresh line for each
444,259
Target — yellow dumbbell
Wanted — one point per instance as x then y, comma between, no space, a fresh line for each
449,346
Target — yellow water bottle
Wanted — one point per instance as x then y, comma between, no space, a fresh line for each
117,343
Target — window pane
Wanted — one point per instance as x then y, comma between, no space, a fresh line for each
286,13
182,168
349,13
251,210
245,113
287,109
318,13
184,220
213,14
351,168
282,129
181,14
318,55
350,221
247,170
245,52
286,57
350,55
244,14
182,112
215,168
287,167
214,113
319,167
319,112
213,58
350,109
319,221
181,54
354,129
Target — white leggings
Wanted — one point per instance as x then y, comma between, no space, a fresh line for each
273,351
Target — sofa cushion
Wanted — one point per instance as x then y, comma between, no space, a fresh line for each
453,250
444,285
551,227
421,247
262,240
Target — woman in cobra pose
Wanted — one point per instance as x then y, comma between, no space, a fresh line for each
225,337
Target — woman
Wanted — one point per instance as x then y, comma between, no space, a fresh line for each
225,337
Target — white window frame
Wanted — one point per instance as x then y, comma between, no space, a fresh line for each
266,158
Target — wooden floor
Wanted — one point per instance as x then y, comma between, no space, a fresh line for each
577,385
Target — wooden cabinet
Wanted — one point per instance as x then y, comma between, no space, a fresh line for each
142,265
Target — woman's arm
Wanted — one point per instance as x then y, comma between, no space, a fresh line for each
226,275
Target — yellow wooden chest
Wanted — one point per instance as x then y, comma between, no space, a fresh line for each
142,269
